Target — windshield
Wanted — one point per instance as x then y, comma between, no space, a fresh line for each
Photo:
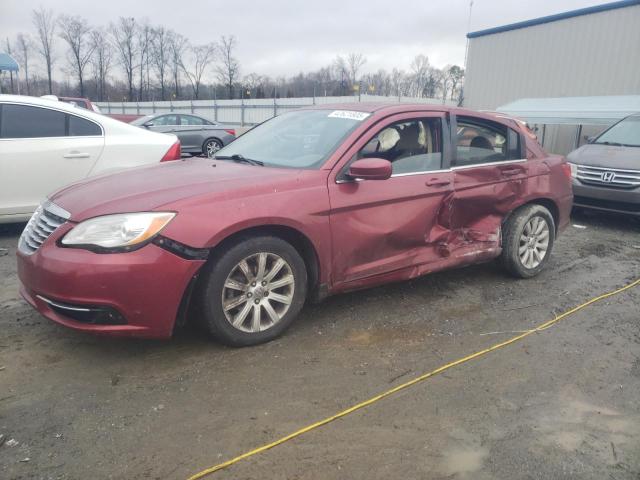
625,133
300,139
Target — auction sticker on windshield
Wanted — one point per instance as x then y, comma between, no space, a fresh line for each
349,114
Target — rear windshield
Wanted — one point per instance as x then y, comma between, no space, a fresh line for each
625,133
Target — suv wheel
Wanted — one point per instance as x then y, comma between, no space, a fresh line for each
253,291
527,240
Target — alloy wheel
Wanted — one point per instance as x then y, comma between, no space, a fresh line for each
258,292
212,147
534,242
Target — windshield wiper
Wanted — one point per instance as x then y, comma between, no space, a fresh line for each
236,157
613,144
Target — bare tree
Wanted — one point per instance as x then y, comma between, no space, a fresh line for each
144,34
433,81
445,82
342,71
177,45
228,70
10,71
101,60
420,72
160,54
76,32
323,80
200,58
456,74
23,43
124,32
45,24
355,61
397,81
252,83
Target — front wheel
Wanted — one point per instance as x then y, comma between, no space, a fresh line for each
211,146
253,291
527,241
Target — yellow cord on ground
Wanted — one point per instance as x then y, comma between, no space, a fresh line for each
408,384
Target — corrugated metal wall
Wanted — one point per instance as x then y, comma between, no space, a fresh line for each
595,54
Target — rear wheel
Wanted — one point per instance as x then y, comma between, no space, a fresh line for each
253,291
211,146
527,242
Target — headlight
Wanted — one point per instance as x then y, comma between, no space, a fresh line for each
118,231
574,169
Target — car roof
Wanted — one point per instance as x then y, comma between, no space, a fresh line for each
74,99
46,102
113,124
159,114
386,109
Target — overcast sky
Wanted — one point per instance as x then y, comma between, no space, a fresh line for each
284,37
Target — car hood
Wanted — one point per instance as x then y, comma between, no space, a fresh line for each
626,158
165,185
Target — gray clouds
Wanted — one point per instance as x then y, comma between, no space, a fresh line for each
284,37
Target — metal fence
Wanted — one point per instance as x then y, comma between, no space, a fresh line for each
247,112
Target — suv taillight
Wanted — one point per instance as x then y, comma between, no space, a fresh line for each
566,168
174,153
230,131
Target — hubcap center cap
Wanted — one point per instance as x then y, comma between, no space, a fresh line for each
258,292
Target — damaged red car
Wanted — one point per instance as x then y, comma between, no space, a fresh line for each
308,204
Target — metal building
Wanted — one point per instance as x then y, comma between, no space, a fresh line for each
586,52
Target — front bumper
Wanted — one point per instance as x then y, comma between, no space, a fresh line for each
617,200
140,290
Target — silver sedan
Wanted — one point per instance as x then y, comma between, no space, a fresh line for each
197,135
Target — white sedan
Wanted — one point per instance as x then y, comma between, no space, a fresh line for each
46,144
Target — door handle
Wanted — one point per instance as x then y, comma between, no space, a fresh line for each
510,172
76,155
437,182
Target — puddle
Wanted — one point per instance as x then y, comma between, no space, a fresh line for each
463,460
568,441
596,430
378,335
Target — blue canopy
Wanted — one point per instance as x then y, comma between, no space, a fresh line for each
7,63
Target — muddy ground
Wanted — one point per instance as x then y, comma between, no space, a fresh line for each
562,404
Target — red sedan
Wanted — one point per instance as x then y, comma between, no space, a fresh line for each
310,203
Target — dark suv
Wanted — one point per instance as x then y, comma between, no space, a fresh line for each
606,171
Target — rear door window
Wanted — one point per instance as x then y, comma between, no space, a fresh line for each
25,121
191,120
80,127
479,142
166,120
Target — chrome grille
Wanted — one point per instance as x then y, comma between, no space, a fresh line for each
608,177
44,221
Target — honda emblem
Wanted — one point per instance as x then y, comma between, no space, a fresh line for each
608,177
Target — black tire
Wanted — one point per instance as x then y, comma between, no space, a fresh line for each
213,142
214,275
512,233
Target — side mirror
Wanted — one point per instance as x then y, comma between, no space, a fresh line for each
591,139
371,169
148,124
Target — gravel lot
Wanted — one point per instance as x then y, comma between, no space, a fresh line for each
562,404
